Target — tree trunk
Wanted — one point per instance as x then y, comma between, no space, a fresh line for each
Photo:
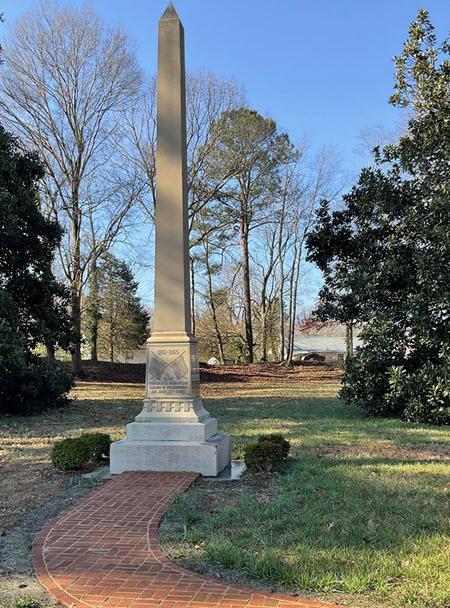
95,316
264,336
264,308
77,282
192,295
213,307
281,263
282,336
50,348
77,368
290,306
293,303
217,330
247,293
94,339
349,339
264,320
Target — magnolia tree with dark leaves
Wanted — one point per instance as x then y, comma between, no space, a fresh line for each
385,255
33,304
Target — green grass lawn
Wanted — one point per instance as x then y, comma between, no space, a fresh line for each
361,517
363,509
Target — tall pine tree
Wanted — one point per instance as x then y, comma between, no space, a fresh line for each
121,321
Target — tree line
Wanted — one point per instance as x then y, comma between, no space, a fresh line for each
72,89
259,206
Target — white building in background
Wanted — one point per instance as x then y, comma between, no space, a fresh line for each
139,355
332,348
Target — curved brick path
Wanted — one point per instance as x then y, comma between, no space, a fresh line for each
104,551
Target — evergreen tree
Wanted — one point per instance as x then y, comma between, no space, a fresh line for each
33,304
250,151
122,321
385,256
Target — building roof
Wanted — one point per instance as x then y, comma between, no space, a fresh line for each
321,344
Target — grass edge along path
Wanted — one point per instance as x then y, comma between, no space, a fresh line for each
104,552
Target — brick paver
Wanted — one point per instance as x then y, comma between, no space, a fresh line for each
104,552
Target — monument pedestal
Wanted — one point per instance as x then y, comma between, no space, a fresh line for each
206,457
173,432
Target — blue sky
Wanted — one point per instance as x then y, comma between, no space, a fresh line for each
321,69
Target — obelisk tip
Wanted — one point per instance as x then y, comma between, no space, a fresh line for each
170,13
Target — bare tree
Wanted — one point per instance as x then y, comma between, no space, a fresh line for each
378,136
321,178
66,79
292,191
207,97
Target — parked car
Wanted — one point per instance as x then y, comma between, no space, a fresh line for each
313,357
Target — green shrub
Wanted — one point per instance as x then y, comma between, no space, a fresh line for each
277,438
74,453
400,386
28,383
33,303
27,603
69,454
98,444
264,456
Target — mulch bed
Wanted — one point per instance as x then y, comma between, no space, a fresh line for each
104,371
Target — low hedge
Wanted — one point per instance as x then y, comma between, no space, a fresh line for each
267,453
277,438
70,454
98,445
74,453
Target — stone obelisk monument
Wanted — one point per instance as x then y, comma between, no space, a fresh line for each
173,432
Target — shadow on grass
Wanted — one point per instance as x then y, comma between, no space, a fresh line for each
315,420
309,422
362,507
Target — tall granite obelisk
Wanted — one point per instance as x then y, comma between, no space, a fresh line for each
173,432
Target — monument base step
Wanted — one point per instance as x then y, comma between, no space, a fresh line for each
172,431
206,457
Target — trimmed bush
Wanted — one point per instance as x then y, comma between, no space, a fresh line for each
277,438
70,454
74,453
264,456
98,444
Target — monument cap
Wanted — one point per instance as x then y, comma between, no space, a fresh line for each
170,13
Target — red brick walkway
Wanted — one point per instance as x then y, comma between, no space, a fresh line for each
104,551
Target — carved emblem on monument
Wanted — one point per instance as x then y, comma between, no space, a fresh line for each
157,367
167,372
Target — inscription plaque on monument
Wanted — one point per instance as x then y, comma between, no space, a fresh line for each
170,373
